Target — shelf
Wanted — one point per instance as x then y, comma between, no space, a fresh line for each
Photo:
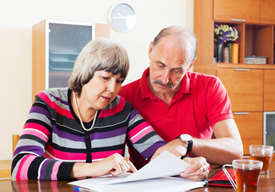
258,41
243,65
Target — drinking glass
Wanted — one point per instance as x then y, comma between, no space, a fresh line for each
247,173
262,153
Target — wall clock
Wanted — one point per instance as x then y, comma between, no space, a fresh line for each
123,17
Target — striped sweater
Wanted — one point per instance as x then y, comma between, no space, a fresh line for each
53,139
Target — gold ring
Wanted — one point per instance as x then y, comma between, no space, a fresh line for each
121,164
125,158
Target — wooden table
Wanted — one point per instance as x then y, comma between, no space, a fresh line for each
266,184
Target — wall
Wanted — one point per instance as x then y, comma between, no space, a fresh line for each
17,18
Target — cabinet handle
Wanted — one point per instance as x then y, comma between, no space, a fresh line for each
240,20
238,69
241,113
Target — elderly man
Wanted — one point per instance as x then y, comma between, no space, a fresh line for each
184,106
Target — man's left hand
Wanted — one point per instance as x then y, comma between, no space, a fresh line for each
198,170
176,147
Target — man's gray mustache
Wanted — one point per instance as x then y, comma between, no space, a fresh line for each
170,85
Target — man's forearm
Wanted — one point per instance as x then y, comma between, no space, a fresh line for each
217,151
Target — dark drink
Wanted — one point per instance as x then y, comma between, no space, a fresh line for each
264,159
247,179
262,153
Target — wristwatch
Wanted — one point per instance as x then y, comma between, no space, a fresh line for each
188,140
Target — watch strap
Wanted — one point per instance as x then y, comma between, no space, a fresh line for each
189,144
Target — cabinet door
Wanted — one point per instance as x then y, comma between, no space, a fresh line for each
65,42
248,10
250,126
55,48
244,87
267,11
269,90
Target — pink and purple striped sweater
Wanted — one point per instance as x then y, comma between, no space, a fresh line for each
53,139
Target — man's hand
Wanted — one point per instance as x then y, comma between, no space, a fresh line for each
198,170
176,147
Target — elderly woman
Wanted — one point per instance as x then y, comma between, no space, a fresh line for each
81,131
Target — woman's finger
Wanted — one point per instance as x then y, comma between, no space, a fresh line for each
132,167
116,170
123,167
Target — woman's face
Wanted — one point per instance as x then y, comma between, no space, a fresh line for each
102,89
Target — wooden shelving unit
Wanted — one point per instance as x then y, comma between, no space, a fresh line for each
250,86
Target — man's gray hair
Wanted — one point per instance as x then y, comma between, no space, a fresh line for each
185,39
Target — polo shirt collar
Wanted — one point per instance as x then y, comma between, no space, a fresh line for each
146,92
144,87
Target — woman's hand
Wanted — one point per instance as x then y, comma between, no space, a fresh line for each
114,164
198,170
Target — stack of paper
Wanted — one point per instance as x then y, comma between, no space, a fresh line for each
152,177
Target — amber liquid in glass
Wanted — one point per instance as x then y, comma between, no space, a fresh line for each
264,159
247,180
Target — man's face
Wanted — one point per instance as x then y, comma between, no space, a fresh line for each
168,66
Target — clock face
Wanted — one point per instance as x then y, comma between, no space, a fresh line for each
122,17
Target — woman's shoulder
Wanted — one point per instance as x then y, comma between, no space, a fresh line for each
60,94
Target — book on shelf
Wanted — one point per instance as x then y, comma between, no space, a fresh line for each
235,53
230,52
226,55
255,60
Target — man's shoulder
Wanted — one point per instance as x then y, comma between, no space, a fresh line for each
130,87
201,77
132,84
130,91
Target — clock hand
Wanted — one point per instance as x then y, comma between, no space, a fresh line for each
120,15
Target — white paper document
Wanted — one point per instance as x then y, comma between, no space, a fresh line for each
163,165
151,177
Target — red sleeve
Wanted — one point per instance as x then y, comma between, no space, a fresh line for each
218,102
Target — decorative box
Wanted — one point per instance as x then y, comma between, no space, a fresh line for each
255,60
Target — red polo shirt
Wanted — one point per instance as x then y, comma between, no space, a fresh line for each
200,103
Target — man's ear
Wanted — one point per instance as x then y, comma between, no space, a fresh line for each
192,64
150,50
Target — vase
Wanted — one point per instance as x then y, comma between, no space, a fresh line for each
219,53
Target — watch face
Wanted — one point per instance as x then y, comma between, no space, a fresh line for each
122,17
185,137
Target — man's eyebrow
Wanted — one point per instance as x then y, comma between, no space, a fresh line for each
178,68
161,62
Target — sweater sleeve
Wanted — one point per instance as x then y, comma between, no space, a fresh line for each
28,161
142,136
